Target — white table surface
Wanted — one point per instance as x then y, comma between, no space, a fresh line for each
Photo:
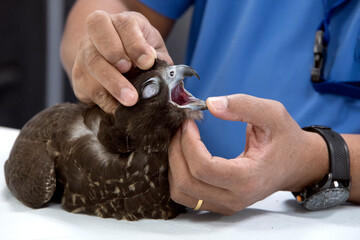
276,217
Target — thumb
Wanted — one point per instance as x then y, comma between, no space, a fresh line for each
245,108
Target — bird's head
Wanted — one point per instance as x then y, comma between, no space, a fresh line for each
163,102
164,84
162,88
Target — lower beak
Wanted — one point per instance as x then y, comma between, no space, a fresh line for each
179,96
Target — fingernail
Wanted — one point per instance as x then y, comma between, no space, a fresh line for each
218,103
144,61
154,51
123,65
127,96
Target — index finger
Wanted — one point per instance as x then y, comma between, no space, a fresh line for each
130,27
203,166
106,40
109,77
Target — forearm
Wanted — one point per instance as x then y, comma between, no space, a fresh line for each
353,142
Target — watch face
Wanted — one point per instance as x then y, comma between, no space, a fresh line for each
327,198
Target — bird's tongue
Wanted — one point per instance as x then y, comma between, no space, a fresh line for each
179,96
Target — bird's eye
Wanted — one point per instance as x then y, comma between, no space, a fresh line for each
171,71
150,88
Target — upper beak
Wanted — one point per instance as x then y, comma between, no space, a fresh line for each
179,96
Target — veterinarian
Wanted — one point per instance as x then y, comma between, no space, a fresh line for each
269,78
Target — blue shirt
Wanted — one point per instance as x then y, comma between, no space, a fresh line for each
265,49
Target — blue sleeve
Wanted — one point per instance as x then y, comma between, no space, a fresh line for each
172,9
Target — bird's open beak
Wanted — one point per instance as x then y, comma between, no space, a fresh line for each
179,96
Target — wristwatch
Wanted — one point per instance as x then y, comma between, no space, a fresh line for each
334,188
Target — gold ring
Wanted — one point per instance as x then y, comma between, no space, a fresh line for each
198,205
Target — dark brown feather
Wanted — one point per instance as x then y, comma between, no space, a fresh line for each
111,166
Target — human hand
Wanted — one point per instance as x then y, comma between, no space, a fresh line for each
113,44
278,155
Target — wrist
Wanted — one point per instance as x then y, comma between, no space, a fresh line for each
334,187
313,163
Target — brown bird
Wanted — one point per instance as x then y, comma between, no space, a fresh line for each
108,165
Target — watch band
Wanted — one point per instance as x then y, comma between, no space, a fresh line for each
338,152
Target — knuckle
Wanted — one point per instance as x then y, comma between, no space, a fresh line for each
200,170
197,172
77,80
77,73
104,100
91,58
279,106
175,195
80,96
129,26
124,20
96,18
135,42
100,97
78,91
182,185
96,22
279,110
113,53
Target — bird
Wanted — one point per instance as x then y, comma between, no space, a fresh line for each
108,165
